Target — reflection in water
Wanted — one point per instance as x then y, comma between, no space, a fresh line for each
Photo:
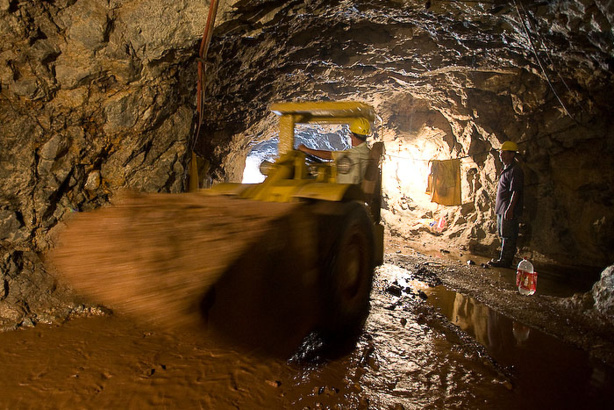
417,359
521,332
547,372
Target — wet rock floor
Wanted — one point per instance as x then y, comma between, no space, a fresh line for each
424,346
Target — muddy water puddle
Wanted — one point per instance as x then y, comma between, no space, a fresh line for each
545,372
110,362
410,356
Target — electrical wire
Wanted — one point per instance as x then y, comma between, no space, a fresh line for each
539,62
547,52
202,55
462,157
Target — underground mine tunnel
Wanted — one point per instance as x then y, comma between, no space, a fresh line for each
98,98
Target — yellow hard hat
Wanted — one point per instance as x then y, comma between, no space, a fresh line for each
509,146
360,126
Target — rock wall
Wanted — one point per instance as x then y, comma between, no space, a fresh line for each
97,96
603,294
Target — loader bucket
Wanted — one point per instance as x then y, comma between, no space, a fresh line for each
155,257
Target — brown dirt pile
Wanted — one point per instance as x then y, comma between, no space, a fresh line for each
155,255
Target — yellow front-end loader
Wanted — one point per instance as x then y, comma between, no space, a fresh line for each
296,176
257,261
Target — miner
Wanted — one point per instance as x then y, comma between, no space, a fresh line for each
509,204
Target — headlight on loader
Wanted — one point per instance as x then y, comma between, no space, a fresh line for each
265,167
313,170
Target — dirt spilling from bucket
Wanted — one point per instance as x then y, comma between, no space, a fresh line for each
155,256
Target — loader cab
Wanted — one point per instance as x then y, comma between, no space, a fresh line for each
296,114
326,177
295,177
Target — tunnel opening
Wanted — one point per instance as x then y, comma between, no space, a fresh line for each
316,136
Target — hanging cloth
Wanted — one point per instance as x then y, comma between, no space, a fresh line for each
444,184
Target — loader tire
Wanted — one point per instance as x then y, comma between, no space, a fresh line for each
347,285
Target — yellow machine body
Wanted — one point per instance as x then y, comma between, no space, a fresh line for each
291,179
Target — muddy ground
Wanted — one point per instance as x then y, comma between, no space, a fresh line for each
410,355
559,307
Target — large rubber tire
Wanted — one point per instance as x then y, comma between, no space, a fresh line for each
348,274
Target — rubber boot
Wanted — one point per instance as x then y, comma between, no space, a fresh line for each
508,251
508,231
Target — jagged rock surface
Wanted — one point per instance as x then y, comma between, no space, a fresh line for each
95,97
603,294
